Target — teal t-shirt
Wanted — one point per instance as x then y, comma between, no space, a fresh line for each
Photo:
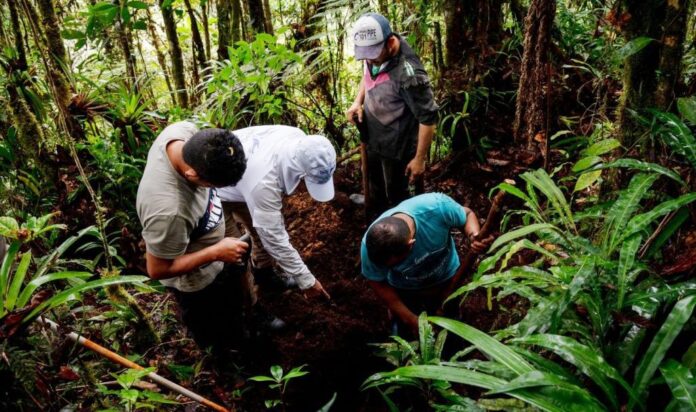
433,258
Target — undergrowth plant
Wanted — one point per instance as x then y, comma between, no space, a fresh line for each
592,299
130,397
278,381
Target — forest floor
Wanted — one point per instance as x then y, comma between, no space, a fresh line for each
332,339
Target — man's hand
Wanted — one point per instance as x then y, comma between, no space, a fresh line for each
479,246
355,110
230,250
316,290
414,169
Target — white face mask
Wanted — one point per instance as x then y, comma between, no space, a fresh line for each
377,70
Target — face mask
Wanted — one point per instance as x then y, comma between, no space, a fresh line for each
377,70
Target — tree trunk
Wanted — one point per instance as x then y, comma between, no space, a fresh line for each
206,29
124,39
176,55
676,16
160,56
60,64
29,132
196,37
18,40
257,16
224,15
644,18
321,79
238,32
268,17
456,41
534,88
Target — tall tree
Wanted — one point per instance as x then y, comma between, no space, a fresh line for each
267,17
533,93
201,57
175,53
672,42
206,28
152,29
643,19
257,16
224,19
474,28
125,40
18,40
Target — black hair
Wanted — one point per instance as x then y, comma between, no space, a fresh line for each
388,237
216,155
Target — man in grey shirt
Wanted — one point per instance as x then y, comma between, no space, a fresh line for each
184,228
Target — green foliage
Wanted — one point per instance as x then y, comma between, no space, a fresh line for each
278,380
130,398
17,293
250,86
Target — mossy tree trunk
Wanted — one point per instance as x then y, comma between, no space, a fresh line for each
267,17
175,54
125,40
676,16
643,19
21,62
533,93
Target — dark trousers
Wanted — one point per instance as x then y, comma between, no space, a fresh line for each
388,182
213,315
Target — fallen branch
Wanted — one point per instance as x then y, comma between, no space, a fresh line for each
346,156
114,357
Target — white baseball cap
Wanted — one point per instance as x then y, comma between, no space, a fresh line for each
369,34
317,157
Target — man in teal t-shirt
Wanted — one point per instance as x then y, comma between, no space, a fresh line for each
408,253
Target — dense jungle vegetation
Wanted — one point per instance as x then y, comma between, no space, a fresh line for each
584,302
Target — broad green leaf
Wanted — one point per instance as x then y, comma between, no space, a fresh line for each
28,290
634,46
586,163
525,273
660,344
277,372
536,378
542,182
640,222
682,383
642,166
521,232
486,344
687,108
5,268
627,259
141,5
602,147
8,227
586,359
70,294
689,358
551,402
17,281
677,135
72,34
681,216
624,207
586,180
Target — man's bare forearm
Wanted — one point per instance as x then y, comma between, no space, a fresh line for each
394,302
159,268
425,138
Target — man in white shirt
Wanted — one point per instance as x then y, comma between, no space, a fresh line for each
278,157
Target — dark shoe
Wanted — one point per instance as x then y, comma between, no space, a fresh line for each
266,321
270,281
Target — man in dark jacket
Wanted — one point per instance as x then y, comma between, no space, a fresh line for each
396,104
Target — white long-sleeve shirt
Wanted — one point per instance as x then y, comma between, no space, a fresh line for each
267,179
